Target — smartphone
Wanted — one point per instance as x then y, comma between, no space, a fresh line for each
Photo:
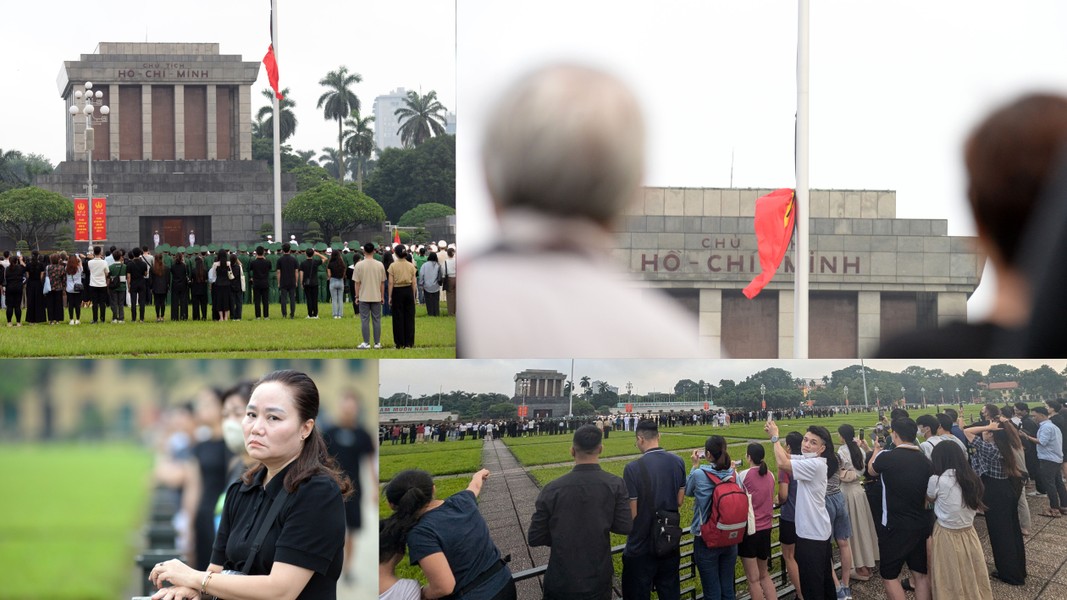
861,434
770,416
702,454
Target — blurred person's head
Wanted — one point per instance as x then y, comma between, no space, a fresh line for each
565,140
348,410
234,403
208,413
1009,156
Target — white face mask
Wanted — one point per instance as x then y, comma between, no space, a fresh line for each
234,435
810,455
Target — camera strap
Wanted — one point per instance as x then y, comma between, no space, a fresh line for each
275,508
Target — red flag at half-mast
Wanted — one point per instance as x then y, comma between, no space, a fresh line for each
272,71
775,216
396,236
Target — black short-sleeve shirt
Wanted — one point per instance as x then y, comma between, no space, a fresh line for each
261,269
309,531
287,271
666,474
905,471
310,269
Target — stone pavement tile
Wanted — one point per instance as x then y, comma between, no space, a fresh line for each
1061,575
1053,591
1032,589
1040,570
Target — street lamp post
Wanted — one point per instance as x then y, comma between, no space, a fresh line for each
957,395
877,401
763,396
846,395
86,103
972,395
922,391
942,391
903,398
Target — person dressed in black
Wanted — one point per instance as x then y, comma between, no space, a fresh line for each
159,283
179,289
198,287
237,288
206,475
261,268
576,515
137,269
35,274
353,448
302,545
309,280
14,281
222,279
287,281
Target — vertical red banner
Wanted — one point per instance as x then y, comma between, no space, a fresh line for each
629,408
81,219
99,219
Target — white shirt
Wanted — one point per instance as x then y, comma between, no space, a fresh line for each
928,445
951,512
812,520
97,272
403,589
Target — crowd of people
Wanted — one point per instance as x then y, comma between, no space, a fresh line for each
907,495
259,445
42,287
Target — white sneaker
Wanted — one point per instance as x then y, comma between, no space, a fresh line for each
77,322
377,346
72,321
363,346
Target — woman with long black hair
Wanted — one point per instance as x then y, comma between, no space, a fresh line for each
995,461
864,541
448,539
198,288
75,289
35,303
222,277
302,546
179,289
957,563
402,294
715,565
159,281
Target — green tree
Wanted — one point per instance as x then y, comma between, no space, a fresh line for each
64,239
406,178
359,143
20,170
308,156
585,383
313,233
331,159
420,118
338,103
336,208
264,230
287,123
503,410
308,176
418,216
28,213
583,407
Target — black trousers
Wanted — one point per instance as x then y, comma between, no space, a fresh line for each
261,297
287,297
74,305
138,300
54,303
179,305
433,303
815,566
1005,534
311,296
200,307
160,302
1051,476
237,302
404,317
100,300
14,304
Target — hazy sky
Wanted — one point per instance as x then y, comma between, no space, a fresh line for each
390,45
895,86
431,376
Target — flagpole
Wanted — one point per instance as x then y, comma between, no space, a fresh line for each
800,296
277,130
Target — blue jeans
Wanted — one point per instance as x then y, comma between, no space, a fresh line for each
337,296
716,569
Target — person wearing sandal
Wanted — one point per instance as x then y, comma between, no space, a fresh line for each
1049,442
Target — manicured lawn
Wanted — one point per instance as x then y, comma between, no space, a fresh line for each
435,337
444,461
69,519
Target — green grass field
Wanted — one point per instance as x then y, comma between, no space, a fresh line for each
69,520
325,337
460,457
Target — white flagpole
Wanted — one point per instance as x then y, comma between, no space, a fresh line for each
277,130
800,311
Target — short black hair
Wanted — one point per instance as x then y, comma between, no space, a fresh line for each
587,439
1054,404
928,421
368,247
310,252
1041,410
647,429
906,429
952,414
898,413
260,250
945,421
286,247
1021,407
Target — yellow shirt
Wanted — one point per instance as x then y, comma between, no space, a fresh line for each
402,273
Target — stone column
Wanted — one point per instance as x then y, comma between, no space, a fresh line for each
869,311
113,121
951,306
244,118
212,123
786,320
179,122
709,322
146,122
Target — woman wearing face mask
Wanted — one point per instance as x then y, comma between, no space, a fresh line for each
206,474
810,470
234,403
293,497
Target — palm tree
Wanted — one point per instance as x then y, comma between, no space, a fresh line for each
359,143
331,159
287,125
420,119
585,383
338,103
308,156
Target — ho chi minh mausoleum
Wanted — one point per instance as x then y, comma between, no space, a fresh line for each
175,153
872,274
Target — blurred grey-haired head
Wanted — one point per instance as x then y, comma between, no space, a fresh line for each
566,140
